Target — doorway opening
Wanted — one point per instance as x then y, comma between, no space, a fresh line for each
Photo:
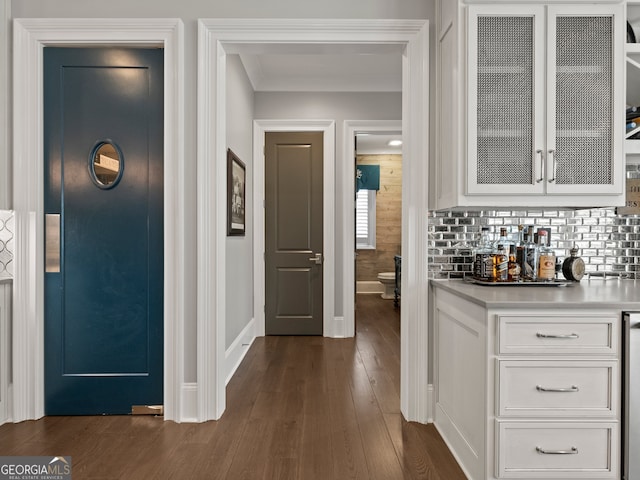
378,213
354,130
217,39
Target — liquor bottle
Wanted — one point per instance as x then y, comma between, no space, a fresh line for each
519,253
500,261
482,257
520,249
529,266
546,258
513,269
504,239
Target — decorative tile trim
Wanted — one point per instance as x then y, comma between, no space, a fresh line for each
7,244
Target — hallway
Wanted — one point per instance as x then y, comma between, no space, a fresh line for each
298,408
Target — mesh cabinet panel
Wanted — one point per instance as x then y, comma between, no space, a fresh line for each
584,104
505,100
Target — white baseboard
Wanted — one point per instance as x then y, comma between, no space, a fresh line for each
366,286
430,403
338,327
189,403
233,356
6,407
238,349
6,393
4,415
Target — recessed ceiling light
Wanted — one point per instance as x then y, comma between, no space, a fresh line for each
394,143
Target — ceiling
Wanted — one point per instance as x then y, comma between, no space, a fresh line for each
330,69
324,72
375,143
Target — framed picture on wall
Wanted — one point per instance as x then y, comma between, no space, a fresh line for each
236,194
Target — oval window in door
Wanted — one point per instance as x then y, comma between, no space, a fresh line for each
106,164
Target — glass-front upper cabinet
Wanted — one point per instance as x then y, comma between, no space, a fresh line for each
545,100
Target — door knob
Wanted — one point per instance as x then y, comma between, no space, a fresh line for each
317,259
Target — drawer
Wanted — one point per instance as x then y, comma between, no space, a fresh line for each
557,388
571,335
557,450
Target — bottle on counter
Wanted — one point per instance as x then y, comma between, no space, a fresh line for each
546,258
500,259
482,257
573,266
513,267
503,239
529,265
519,244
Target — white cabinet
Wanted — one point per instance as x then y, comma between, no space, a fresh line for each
462,380
530,105
557,400
632,143
527,393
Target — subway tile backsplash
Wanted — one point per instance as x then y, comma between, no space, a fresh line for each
608,243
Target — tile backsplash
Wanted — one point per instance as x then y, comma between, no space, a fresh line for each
6,244
608,243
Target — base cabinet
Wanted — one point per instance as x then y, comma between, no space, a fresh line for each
527,394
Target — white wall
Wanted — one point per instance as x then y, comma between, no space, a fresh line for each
338,107
193,9
239,266
349,107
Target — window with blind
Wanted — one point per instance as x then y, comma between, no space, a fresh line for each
366,219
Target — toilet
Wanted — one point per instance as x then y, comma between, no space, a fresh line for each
388,281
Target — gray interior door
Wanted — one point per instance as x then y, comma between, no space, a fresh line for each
293,236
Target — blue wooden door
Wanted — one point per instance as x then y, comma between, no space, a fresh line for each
103,201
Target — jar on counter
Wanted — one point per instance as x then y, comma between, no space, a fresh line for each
573,266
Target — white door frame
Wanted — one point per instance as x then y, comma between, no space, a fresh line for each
216,39
327,127
30,37
5,102
5,203
351,128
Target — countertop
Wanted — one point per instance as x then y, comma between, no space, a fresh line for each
597,293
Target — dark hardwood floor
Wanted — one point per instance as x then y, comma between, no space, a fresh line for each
298,408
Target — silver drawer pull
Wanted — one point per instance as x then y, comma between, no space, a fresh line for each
572,388
542,451
566,335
